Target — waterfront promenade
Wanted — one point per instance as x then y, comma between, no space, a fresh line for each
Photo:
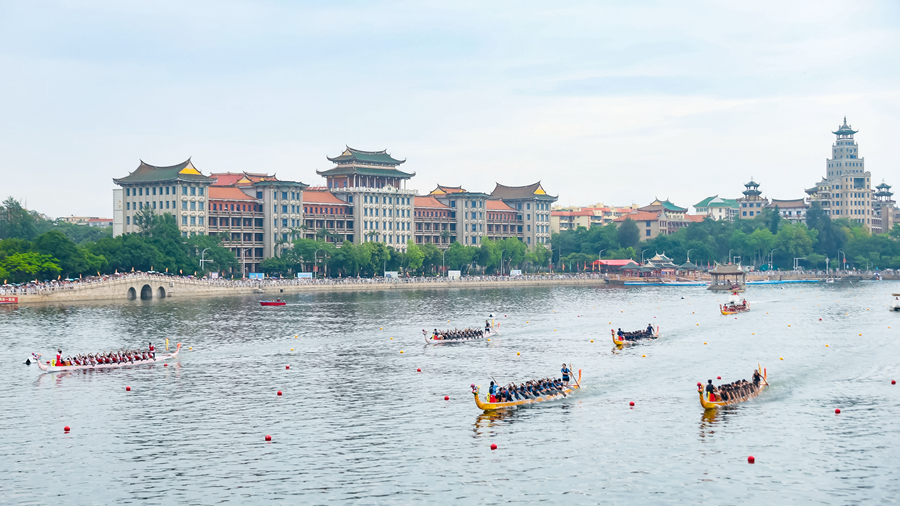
148,286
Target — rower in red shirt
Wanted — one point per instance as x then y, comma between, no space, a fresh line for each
58,357
152,351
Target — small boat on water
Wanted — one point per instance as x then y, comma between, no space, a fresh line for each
278,302
708,404
895,304
486,405
629,339
49,367
735,304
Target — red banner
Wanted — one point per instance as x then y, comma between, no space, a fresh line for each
9,300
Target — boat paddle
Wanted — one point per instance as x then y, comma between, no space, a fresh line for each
572,370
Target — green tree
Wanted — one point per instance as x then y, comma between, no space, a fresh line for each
414,256
22,267
16,221
629,236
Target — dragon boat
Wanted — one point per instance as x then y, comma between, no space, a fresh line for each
433,339
622,342
51,367
707,404
491,406
734,305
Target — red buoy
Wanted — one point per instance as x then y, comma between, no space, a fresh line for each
268,437
493,446
699,384
166,365
279,392
820,319
751,459
418,369
67,428
837,411
893,382
287,367
127,389
718,377
446,397
631,403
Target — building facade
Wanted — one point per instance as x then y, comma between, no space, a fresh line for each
180,190
718,208
752,203
850,184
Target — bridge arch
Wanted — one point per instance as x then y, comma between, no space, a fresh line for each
132,293
160,293
146,292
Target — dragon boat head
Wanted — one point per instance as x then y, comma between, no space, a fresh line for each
34,358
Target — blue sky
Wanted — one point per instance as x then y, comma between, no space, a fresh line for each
613,102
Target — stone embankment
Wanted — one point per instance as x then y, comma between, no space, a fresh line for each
155,286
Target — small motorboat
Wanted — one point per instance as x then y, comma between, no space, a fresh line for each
895,304
736,304
277,302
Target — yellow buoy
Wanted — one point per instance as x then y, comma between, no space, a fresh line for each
295,337
781,358
392,339
526,322
401,351
292,349
191,347
789,325
860,334
643,355
517,353
592,340
554,330
704,342
489,340
698,324
753,333
826,345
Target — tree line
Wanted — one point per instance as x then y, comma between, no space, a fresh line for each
762,241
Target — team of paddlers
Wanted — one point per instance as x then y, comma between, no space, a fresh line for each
734,391
112,357
640,334
458,334
530,389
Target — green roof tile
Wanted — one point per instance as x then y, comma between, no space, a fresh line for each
146,173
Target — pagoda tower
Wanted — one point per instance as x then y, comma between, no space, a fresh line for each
752,203
884,206
849,182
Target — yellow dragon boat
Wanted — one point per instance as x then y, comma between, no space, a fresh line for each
715,404
491,406
621,343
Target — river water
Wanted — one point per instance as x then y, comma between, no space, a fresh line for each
358,424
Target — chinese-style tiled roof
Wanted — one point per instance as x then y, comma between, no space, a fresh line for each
845,129
716,201
696,218
727,269
663,204
227,193
346,170
351,155
519,192
782,204
617,263
321,197
499,205
442,190
429,202
146,173
639,216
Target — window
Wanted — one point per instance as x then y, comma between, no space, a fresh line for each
128,206
284,209
193,190
154,204
128,220
193,220
184,190
200,220
200,191
284,223
167,204
193,206
184,220
647,233
184,205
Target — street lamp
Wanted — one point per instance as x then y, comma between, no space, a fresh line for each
771,256
316,258
689,254
600,257
442,261
642,255
501,262
844,264
729,253
202,260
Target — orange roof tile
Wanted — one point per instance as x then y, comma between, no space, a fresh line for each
429,201
321,197
498,205
226,178
697,218
227,193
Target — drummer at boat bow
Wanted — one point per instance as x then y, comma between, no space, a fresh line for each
565,374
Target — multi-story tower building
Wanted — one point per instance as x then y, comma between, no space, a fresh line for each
371,182
820,194
532,205
467,209
180,190
752,203
850,184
